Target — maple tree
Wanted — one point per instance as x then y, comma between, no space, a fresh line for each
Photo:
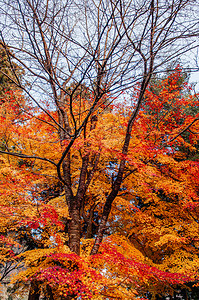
81,170
156,204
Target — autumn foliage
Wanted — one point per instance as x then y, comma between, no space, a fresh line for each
150,244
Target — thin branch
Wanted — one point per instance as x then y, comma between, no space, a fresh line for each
185,129
28,156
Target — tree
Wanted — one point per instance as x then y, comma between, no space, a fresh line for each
81,56
163,193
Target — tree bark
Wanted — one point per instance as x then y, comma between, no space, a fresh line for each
74,229
34,292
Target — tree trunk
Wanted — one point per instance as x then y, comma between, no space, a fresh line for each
185,294
174,295
50,293
34,292
74,229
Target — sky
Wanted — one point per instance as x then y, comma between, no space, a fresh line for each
195,78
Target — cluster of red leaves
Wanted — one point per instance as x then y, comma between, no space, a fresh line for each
46,215
69,282
135,270
168,105
69,274
192,205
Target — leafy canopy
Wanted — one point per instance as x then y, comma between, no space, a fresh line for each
151,238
